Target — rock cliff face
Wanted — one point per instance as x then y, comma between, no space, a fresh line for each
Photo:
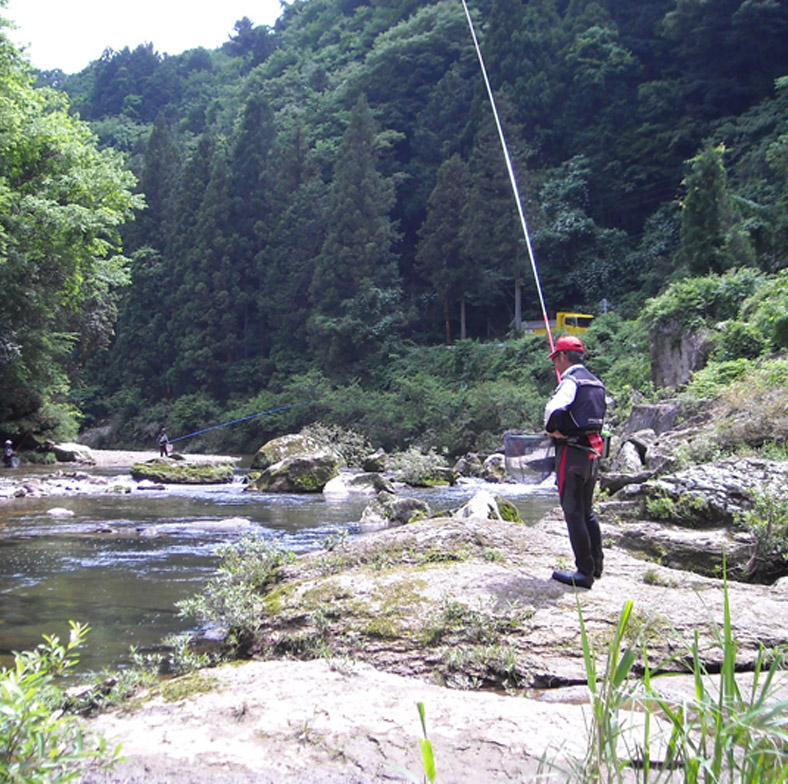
689,518
676,353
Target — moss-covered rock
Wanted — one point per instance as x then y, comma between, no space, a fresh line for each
494,469
485,505
291,445
183,472
468,601
302,473
390,509
376,462
509,512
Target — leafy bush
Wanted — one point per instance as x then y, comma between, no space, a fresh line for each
413,466
703,448
768,522
741,340
234,598
179,658
351,445
710,381
685,510
767,310
618,353
755,406
693,302
38,742
190,413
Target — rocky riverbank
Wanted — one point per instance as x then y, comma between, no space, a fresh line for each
460,613
448,612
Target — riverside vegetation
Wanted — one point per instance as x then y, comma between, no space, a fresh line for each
732,733
39,742
664,193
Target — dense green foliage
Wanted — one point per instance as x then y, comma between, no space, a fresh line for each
39,744
62,201
327,200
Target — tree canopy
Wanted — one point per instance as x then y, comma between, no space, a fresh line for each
326,192
63,204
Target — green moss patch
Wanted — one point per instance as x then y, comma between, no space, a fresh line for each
182,688
183,473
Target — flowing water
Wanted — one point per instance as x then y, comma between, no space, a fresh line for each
120,562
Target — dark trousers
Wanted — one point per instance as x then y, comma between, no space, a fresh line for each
576,473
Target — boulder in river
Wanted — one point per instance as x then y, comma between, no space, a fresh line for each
290,445
486,506
494,469
73,453
366,483
375,462
389,509
301,473
469,465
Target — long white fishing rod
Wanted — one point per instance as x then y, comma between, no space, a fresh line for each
512,177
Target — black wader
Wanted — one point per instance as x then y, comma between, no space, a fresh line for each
576,473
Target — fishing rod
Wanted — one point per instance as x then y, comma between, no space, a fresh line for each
512,178
235,421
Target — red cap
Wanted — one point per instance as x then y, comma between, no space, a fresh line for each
568,343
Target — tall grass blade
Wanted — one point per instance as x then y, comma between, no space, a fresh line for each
588,656
427,756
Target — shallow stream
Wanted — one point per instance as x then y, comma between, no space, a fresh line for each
120,562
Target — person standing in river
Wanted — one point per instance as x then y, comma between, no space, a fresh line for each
9,453
574,416
163,442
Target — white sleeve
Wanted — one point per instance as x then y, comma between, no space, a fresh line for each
562,398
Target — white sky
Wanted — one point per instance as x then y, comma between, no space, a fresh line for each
69,34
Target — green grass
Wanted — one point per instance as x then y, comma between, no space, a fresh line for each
723,734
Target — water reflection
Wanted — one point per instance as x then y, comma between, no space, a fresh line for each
120,562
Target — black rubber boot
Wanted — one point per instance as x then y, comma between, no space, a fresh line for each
578,579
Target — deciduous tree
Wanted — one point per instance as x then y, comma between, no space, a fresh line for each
63,201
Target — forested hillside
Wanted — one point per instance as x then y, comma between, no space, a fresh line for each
325,196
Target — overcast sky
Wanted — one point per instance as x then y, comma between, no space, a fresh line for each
68,34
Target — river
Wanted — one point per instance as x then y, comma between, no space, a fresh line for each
120,562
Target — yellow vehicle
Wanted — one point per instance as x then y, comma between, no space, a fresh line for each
571,323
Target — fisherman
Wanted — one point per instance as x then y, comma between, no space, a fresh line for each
8,454
574,416
163,442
